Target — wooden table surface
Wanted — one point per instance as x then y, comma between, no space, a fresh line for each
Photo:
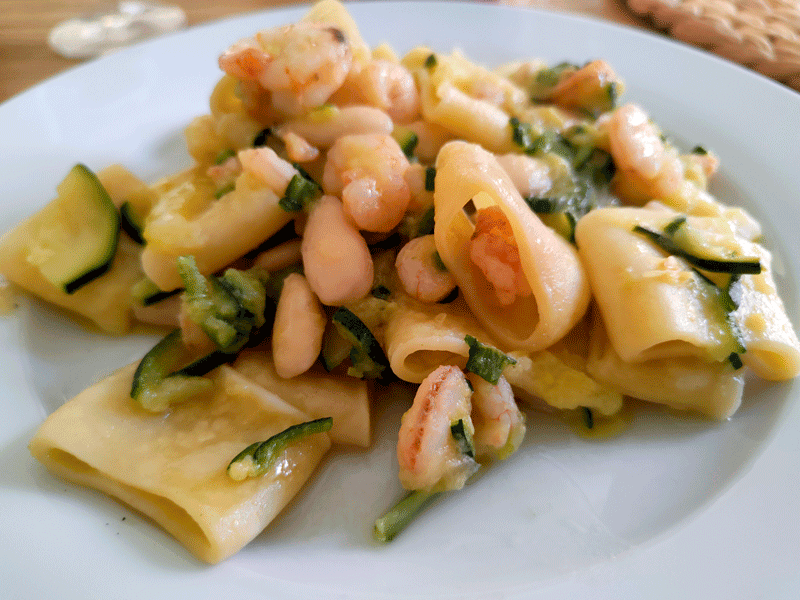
26,59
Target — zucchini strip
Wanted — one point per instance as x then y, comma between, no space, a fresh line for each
257,458
712,265
401,514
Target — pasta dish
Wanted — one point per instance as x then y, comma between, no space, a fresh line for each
501,241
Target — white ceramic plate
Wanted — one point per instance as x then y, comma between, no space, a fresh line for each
671,509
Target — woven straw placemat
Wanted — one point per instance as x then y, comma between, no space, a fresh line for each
761,34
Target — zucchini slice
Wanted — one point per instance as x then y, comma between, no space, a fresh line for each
158,382
258,457
368,358
131,222
335,348
680,239
78,245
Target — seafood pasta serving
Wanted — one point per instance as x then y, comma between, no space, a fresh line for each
357,221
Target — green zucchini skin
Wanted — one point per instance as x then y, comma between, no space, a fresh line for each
720,264
261,455
158,380
486,361
368,358
227,308
131,223
83,193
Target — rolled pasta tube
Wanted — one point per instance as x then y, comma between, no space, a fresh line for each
773,350
331,12
420,337
560,288
653,305
223,230
684,383
466,99
172,467
469,118
317,394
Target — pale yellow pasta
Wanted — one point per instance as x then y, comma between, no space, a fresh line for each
316,393
172,467
653,305
713,389
188,220
467,173
773,350
420,337
469,101
334,13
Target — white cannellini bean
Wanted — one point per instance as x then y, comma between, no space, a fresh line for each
298,328
336,258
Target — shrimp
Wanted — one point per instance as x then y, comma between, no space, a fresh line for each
494,251
499,424
368,171
300,64
268,167
428,453
531,176
386,85
593,87
297,148
224,172
646,169
421,271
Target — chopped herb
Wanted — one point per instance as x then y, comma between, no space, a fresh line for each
463,437
521,133
430,178
257,458
736,361
224,155
699,150
485,361
431,61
